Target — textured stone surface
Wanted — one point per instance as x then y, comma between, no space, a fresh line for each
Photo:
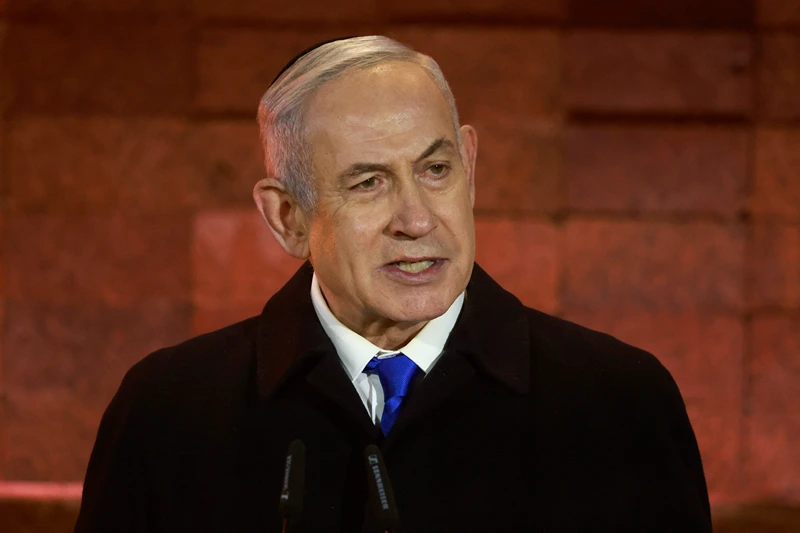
98,164
769,517
650,266
4,177
206,320
114,259
236,67
776,192
772,465
522,256
718,430
38,516
288,11
778,13
48,435
773,436
774,266
704,354
482,67
477,9
2,359
2,320
226,161
86,65
3,108
66,7
3,91
676,13
140,165
519,167
2,263
682,169
63,366
779,76
84,348
668,72
775,367
236,262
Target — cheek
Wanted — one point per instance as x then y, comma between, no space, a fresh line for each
458,214
355,234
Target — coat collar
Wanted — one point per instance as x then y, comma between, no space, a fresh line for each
492,331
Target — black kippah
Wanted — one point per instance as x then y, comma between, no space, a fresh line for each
304,52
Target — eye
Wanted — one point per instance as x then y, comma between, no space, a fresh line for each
369,183
438,169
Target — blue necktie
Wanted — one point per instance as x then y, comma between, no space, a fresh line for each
396,374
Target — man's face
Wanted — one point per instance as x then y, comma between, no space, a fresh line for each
392,239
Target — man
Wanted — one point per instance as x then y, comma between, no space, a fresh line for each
490,416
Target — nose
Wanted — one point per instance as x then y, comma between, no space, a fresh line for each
413,216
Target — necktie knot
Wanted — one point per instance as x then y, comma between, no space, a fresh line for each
396,374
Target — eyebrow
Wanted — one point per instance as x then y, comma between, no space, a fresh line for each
357,169
439,144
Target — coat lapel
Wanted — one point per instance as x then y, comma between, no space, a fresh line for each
329,378
291,342
451,373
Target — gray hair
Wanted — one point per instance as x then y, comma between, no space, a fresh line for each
281,111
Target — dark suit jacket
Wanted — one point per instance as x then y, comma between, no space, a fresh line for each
526,423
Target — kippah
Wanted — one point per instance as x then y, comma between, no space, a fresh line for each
304,52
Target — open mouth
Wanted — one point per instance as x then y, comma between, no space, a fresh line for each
415,266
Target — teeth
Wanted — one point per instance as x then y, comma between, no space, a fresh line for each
413,268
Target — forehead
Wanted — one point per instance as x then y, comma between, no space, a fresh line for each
390,106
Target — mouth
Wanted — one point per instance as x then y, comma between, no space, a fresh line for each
414,267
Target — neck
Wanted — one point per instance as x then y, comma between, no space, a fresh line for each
383,333
389,338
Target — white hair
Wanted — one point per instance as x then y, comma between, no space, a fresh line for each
281,111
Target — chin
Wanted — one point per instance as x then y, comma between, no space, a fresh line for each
420,308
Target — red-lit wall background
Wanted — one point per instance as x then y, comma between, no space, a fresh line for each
639,172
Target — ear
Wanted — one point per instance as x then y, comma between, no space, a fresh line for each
469,153
286,219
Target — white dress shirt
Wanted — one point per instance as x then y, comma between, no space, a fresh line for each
355,351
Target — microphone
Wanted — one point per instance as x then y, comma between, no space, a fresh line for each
290,508
381,495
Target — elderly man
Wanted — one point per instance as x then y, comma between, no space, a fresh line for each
491,416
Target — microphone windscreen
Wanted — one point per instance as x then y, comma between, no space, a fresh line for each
381,495
294,481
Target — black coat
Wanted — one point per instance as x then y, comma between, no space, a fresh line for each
526,423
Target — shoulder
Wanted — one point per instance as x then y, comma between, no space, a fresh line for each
583,347
203,366
616,371
203,355
622,391
617,404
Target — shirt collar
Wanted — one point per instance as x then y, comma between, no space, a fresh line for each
494,331
355,351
